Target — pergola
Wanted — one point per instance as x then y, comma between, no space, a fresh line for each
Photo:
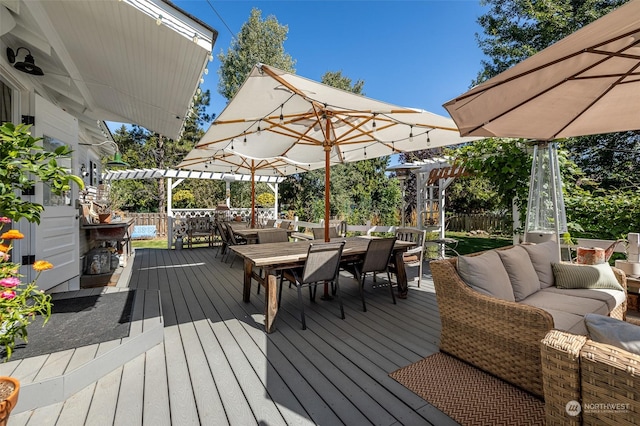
181,175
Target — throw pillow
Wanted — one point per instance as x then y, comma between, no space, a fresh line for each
613,332
571,275
486,273
522,275
542,256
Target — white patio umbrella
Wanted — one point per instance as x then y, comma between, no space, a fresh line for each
234,163
276,114
587,83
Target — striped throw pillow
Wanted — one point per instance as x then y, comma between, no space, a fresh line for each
571,276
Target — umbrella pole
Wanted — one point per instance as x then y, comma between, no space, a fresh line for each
327,189
253,194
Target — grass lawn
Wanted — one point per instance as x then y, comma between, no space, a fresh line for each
475,243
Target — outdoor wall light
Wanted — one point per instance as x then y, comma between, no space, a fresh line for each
28,65
117,160
83,170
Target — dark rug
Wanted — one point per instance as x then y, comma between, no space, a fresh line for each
79,321
468,395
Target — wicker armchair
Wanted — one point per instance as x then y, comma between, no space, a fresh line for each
497,336
575,368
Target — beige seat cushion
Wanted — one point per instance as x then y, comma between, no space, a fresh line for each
568,322
486,273
613,298
565,303
613,332
523,277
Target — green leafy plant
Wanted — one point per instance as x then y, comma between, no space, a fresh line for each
19,302
24,162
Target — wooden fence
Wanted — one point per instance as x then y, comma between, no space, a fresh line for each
159,220
492,223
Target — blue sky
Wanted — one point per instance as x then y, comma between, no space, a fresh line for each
416,54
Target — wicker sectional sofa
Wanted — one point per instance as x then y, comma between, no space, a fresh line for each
602,378
501,336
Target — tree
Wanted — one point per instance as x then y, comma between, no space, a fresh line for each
259,41
142,149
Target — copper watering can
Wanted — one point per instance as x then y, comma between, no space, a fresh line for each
595,255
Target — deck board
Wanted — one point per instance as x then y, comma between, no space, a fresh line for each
218,366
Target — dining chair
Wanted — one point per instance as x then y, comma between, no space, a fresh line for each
224,238
413,257
285,224
270,223
233,241
322,265
376,260
273,236
318,233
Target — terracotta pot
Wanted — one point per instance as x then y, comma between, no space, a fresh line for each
104,218
9,402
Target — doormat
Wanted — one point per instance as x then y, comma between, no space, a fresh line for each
77,322
469,395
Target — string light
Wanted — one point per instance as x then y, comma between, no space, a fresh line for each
428,138
195,38
159,20
232,144
259,132
373,125
245,139
206,71
281,120
411,134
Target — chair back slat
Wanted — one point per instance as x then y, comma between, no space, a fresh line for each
378,254
273,236
323,262
413,235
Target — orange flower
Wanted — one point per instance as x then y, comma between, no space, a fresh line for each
4,248
12,234
42,265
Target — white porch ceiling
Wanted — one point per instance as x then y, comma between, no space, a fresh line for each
109,60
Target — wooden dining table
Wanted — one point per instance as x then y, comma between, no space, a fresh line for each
273,257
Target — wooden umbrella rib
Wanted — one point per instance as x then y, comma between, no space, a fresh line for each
559,83
481,89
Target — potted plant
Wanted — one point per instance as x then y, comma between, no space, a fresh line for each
22,161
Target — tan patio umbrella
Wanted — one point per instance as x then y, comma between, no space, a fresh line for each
587,83
276,114
233,163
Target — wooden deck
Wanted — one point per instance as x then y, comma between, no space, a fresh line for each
217,365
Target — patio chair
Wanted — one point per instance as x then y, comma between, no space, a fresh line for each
224,238
413,257
318,233
200,228
270,223
275,236
322,265
233,241
376,260
285,224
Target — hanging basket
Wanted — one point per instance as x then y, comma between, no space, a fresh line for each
9,390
